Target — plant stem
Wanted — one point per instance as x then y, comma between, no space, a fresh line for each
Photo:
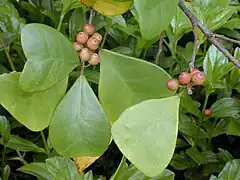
117,173
60,21
21,158
160,48
82,68
104,38
91,16
44,142
7,54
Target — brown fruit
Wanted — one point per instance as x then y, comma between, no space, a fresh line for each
85,54
82,37
89,29
184,78
97,36
95,59
208,112
198,78
173,84
77,46
92,44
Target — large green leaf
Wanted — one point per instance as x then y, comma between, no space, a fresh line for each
20,144
33,110
79,118
125,81
36,169
146,134
230,171
154,16
50,57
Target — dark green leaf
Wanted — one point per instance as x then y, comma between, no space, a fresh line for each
4,129
76,23
50,56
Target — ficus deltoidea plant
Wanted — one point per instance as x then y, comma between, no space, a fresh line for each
152,79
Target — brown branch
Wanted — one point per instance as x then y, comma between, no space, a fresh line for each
195,47
208,34
220,36
160,48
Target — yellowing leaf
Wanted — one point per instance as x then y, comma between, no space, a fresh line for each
88,2
84,162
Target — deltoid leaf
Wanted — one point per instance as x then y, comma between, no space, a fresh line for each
50,57
33,110
125,81
109,7
79,118
230,171
20,144
62,168
148,130
38,170
154,16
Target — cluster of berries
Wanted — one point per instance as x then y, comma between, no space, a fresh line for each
87,42
194,78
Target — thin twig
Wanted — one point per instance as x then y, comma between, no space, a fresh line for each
220,36
160,48
91,16
195,47
208,34
7,54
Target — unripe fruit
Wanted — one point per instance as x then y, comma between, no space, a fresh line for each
92,44
77,46
85,54
198,78
82,37
184,78
94,60
89,29
208,112
97,36
173,84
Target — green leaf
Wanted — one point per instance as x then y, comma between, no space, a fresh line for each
182,162
79,118
233,128
50,56
136,130
33,110
226,107
133,80
6,172
4,129
62,169
230,171
20,144
69,5
154,16
36,169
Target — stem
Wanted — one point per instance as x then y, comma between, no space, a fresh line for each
21,158
7,54
220,36
117,173
60,21
104,38
44,142
195,47
91,16
82,68
208,33
160,47
3,157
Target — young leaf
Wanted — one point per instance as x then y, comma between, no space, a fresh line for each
154,16
36,169
4,129
20,144
79,118
50,56
132,79
148,130
230,171
33,110
6,172
62,168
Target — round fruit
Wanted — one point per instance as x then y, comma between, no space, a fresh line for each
194,71
198,78
92,44
85,54
95,59
172,84
77,46
184,78
82,37
89,29
208,112
97,36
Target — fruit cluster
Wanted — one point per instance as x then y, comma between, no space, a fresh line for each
87,42
193,78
